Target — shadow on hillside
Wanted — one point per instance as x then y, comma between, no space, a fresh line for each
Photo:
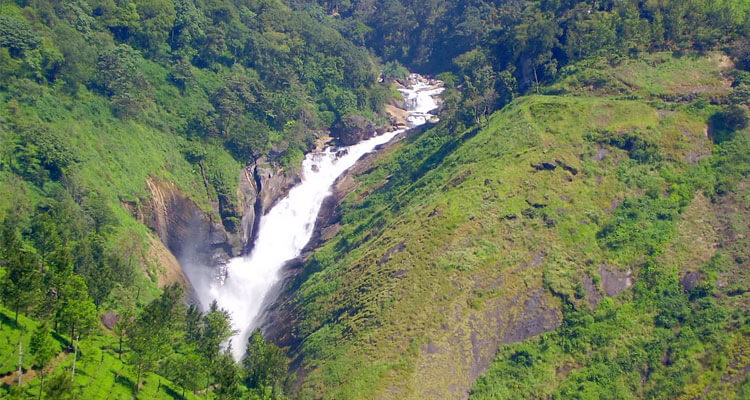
8,321
169,391
125,381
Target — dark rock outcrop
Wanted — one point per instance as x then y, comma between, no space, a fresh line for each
615,281
593,295
110,319
247,196
352,130
273,183
690,280
200,236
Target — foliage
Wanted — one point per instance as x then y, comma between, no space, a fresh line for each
99,96
726,122
151,335
458,233
17,35
394,70
531,42
265,365
42,346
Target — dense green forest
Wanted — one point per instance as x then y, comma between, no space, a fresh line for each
499,49
579,141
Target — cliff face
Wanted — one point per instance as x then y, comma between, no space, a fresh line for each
188,232
192,234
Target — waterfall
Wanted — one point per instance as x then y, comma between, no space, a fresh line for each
285,230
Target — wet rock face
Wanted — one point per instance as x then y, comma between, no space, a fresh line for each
352,130
247,194
187,231
191,234
273,182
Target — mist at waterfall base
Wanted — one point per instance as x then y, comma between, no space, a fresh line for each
285,230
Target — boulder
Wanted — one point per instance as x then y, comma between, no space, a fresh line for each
352,130
110,319
690,280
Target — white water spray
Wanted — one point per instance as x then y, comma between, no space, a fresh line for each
285,230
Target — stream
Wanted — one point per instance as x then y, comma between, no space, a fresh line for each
285,230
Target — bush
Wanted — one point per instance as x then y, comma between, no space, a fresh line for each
17,36
724,123
394,70
735,117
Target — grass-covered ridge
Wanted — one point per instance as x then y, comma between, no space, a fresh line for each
460,241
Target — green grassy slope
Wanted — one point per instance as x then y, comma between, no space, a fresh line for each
100,374
113,161
461,241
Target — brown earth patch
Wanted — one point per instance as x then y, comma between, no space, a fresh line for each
170,270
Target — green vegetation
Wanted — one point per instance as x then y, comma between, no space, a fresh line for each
458,240
181,345
581,206
501,49
100,99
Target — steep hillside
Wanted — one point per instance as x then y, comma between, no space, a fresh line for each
139,135
564,213
575,224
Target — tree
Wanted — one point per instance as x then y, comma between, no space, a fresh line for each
17,35
153,332
725,123
125,301
119,76
60,387
20,284
76,312
479,80
588,32
735,117
157,19
394,70
265,364
43,349
538,38
228,379
185,370
51,148
216,329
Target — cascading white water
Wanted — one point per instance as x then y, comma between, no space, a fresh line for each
285,230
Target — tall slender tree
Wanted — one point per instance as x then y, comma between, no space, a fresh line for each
43,349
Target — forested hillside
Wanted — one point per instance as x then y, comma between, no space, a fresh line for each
501,48
575,226
107,104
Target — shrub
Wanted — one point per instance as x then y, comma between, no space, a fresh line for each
17,36
735,117
726,122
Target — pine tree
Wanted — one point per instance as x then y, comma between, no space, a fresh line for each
43,349
20,284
